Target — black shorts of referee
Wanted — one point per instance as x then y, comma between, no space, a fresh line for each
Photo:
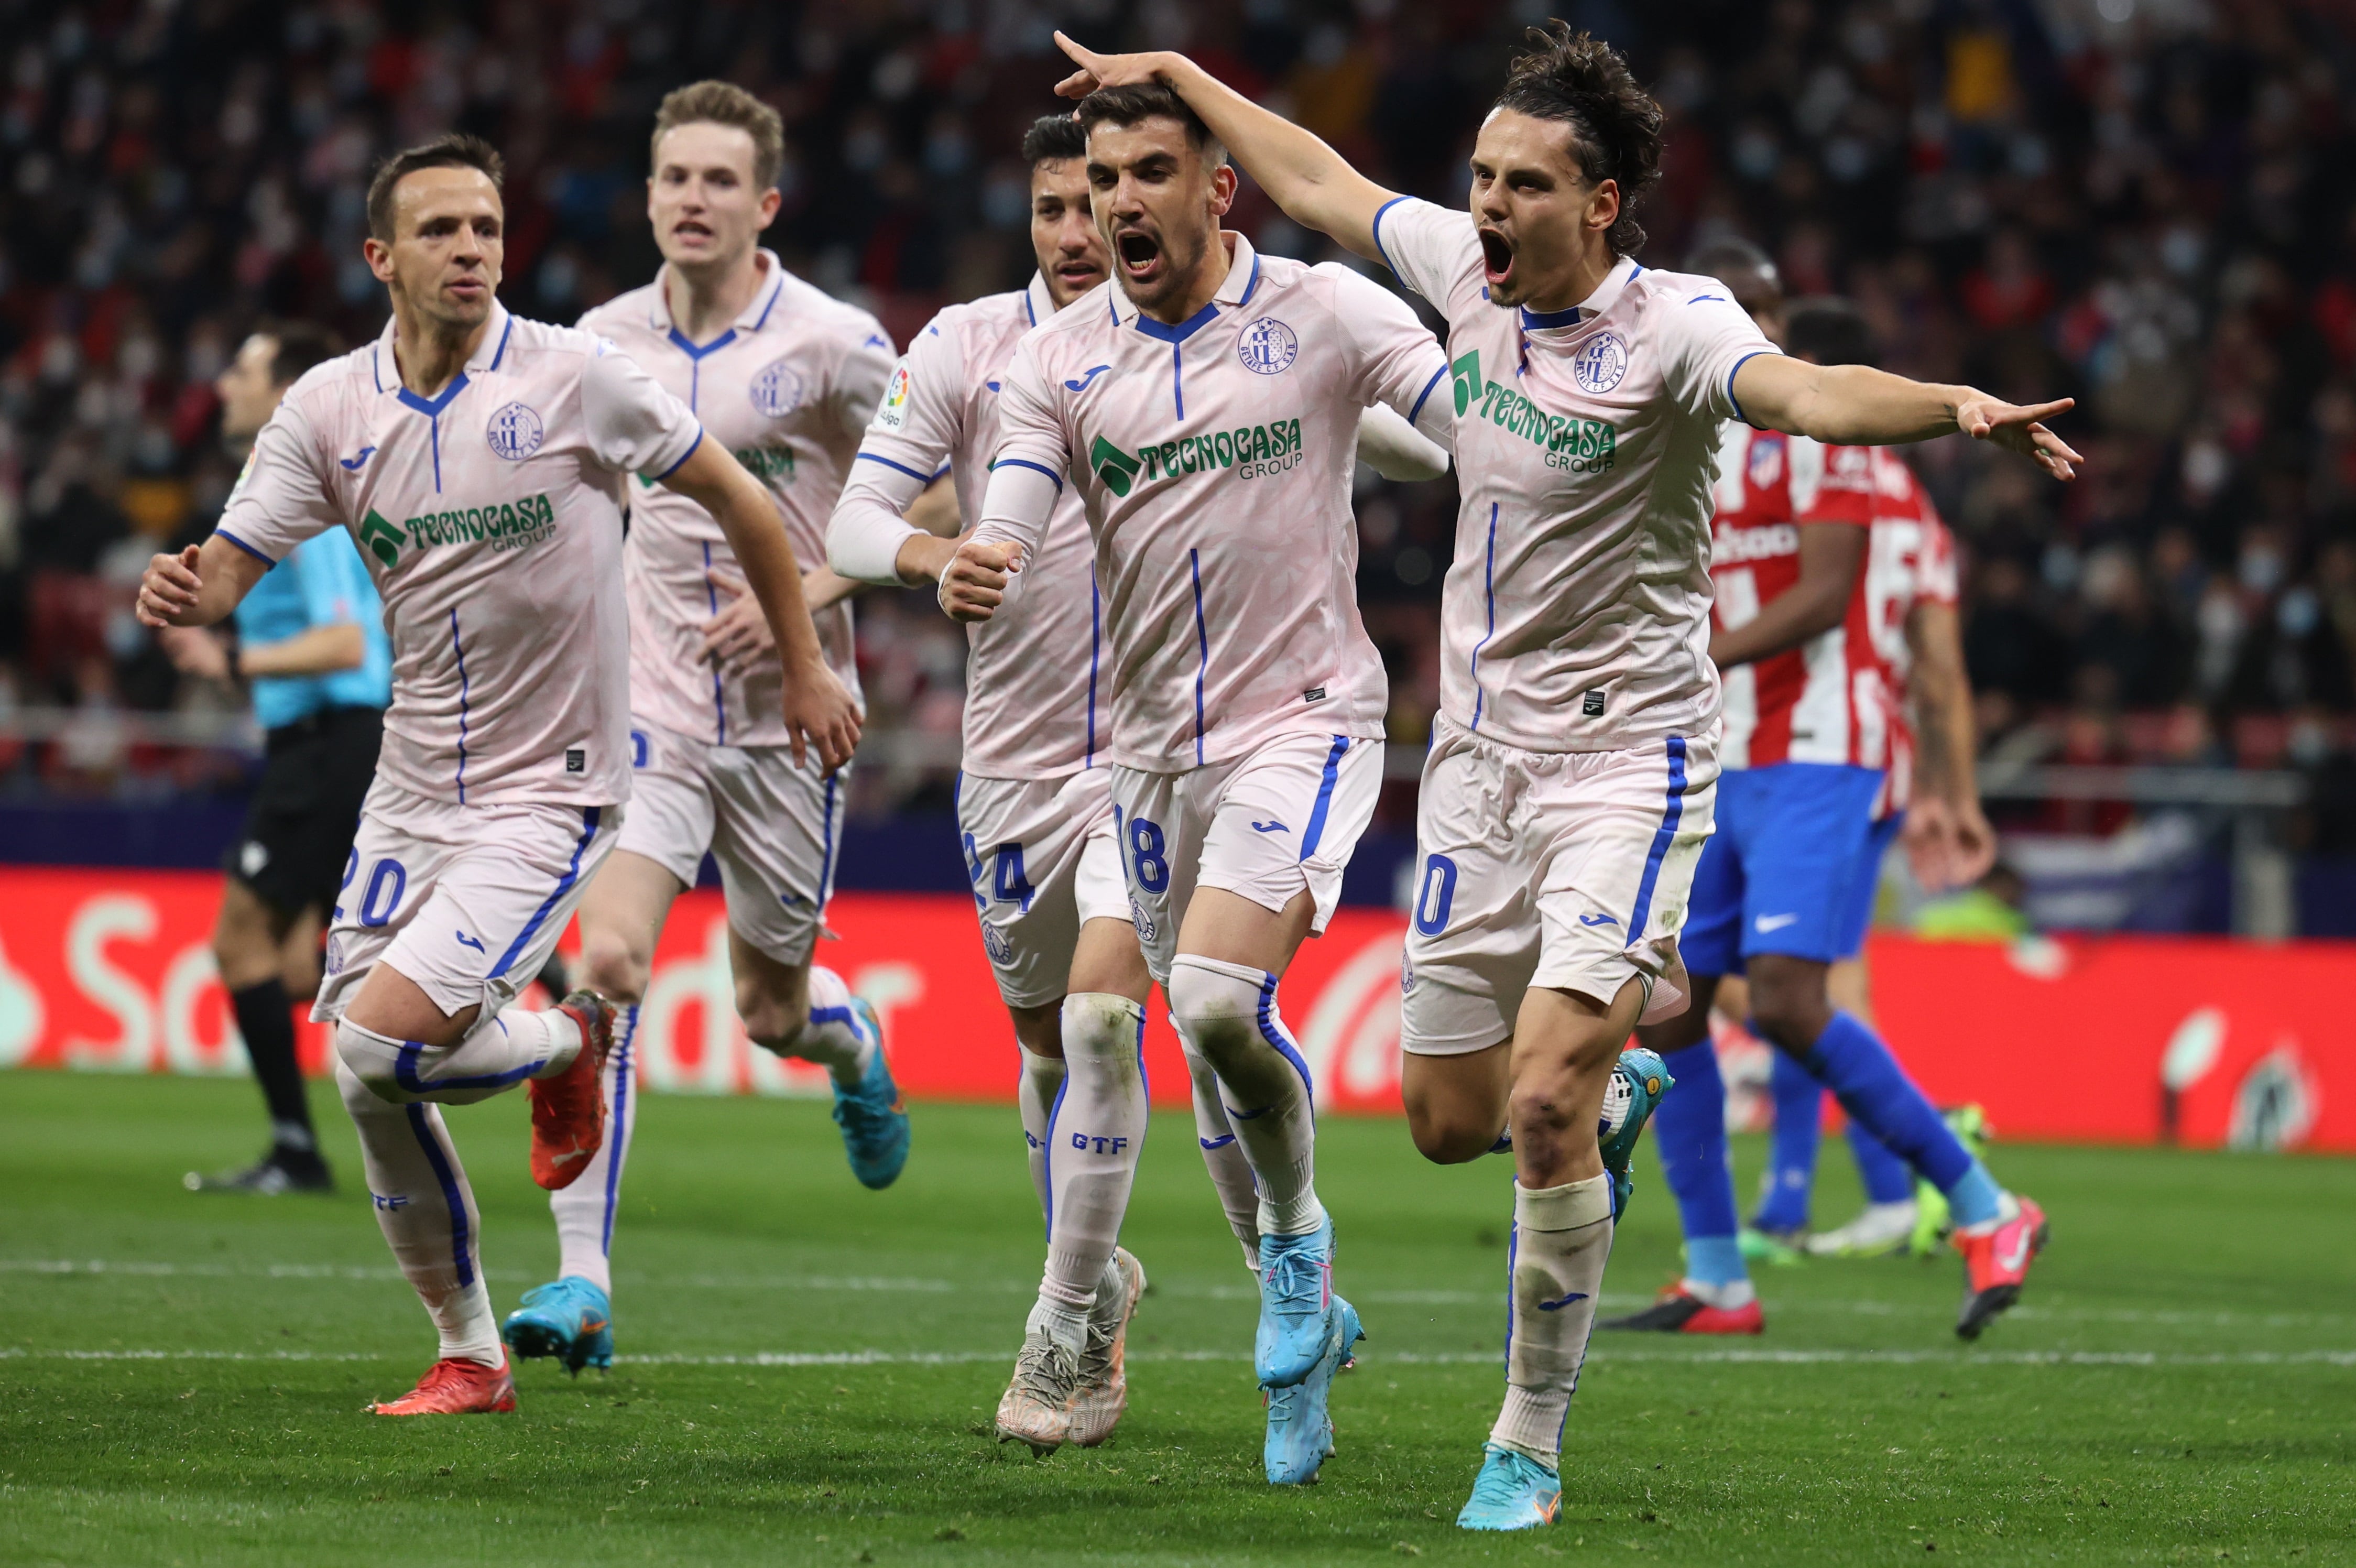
299,832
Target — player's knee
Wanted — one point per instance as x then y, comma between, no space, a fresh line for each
1218,1006
772,1021
1789,1011
613,967
1449,1133
371,1065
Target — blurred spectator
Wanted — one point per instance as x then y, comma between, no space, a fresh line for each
2146,207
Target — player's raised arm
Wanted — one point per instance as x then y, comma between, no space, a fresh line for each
1856,405
818,711
1315,185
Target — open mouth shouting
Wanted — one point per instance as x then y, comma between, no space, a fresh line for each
1496,261
1140,256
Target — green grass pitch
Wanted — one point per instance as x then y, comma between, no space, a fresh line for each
810,1368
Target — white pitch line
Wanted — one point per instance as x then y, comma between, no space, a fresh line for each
1405,1358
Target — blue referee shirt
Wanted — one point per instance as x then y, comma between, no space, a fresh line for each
321,581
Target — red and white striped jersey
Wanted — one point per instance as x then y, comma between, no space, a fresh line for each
1827,700
1912,561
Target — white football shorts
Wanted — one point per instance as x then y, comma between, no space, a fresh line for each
775,828
1567,869
467,901
1279,818
1041,855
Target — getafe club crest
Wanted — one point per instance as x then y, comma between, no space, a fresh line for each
1266,347
777,391
514,432
1600,363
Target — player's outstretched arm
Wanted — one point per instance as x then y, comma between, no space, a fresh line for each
199,586
818,711
1856,405
1315,185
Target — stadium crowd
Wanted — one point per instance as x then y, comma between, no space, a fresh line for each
2143,203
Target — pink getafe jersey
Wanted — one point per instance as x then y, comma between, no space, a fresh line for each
1577,614
1912,561
1213,460
785,389
490,517
1827,700
1032,704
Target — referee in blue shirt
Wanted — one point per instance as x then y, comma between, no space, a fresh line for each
311,641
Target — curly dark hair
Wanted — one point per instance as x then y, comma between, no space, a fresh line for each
1615,124
1054,138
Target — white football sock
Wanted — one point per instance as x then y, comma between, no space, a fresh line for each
1226,1014
1562,1236
1223,1156
834,1038
585,1210
1093,1134
494,1057
1035,1093
427,1213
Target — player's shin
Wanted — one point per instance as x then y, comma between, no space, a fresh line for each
493,1057
1034,1095
585,1210
1875,1091
1562,1237
1094,1134
427,1213
1226,1014
1223,1156
1689,1131
1790,1178
831,1037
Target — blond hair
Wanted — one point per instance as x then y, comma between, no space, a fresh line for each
724,104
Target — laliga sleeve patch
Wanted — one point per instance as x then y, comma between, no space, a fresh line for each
892,413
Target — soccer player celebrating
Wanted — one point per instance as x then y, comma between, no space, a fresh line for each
479,461
1206,412
784,376
311,639
1034,798
1571,783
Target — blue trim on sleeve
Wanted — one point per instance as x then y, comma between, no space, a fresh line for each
1034,468
242,544
1380,249
683,457
1729,383
898,467
1425,395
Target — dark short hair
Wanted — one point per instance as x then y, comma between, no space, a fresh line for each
1053,138
299,346
1615,124
1730,253
1829,331
1144,101
452,149
724,104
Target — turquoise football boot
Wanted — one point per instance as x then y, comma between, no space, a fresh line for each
571,1320
1512,1492
1300,1426
1296,1306
874,1122
1638,1081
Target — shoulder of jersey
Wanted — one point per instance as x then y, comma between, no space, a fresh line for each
804,300
624,310
1679,288
1091,311
991,310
